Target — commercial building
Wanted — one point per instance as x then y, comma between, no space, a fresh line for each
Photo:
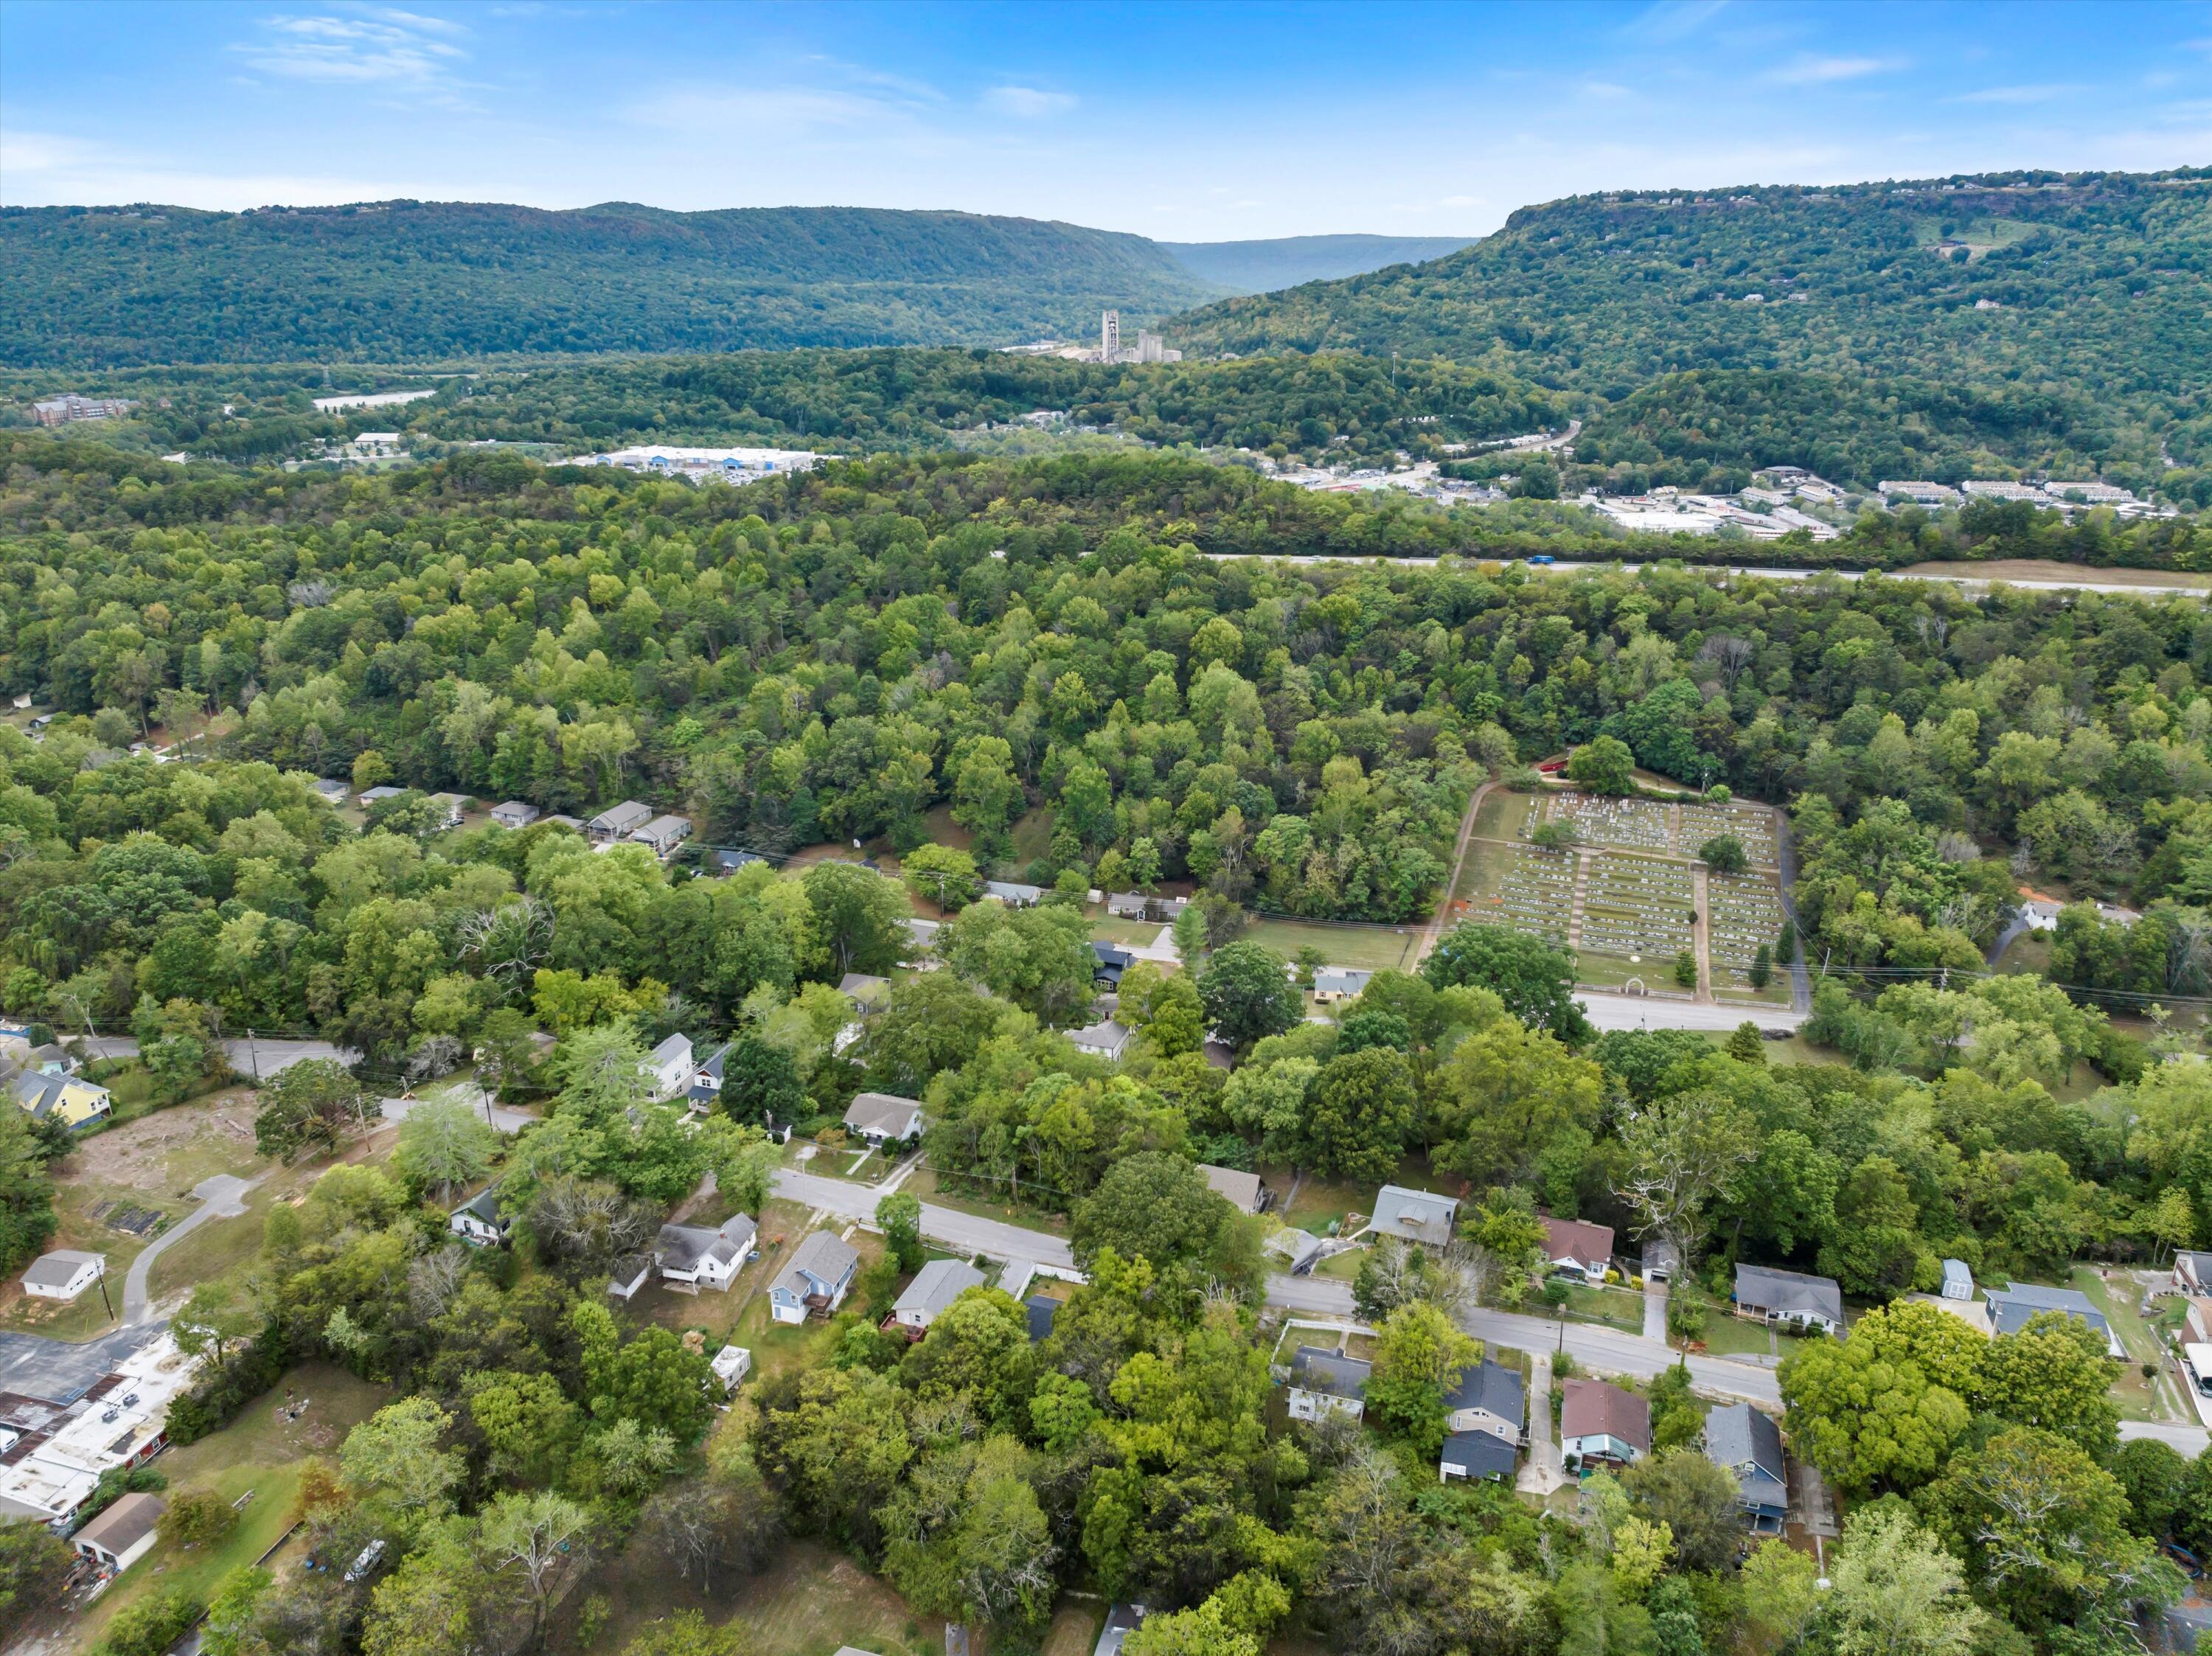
69,407
106,1409
706,464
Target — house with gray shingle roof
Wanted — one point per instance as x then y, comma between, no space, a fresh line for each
1323,1381
1741,1440
1489,1397
1780,1297
934,1287
2012,1306
818,1278
1413,1216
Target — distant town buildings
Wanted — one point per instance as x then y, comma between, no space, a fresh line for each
61,410
701,464
378,399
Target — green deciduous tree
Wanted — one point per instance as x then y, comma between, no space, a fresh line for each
1247,993
1535,979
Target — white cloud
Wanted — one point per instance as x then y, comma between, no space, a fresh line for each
1026,102
2015,95
47,169
1808,69
381,47
1674,19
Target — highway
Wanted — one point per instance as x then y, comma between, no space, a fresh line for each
2123,589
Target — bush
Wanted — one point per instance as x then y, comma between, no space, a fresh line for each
1685,969
225,1388
148,1628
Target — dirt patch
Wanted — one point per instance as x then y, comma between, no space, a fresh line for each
154,1152
2044,572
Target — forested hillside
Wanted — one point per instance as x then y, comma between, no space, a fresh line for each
2093,281
404,281
1031,669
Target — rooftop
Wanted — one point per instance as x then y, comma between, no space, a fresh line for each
1592,1408
936,1284
1315,1369
1789,1291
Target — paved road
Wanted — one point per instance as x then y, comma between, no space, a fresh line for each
1609,1350
2122,588
250,1059
944,1225
220,1198
1659,1012
2191,1440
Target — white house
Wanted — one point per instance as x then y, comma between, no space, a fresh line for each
514,813
1109,1040
884,1119
1575,1247
123,1534
698,1257
1489,1397
2012,1306
478,1221
818,1278
1775,1297
628,1274
63,1274
732,1364
934,1287
1324,1381
668,1068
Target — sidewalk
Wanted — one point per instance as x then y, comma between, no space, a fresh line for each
1544,1470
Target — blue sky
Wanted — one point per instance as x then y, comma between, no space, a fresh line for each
1186,123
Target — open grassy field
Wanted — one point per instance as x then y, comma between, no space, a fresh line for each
2033,572
963,1196
1032,836
811,1601
1374,948
149,1164
257,1452
1616,1307
2138,1397
1104,928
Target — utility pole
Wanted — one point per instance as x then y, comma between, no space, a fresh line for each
253,1056
104,1300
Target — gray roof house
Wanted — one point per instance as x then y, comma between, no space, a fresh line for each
934,1287
1741,1440
479,1220
2012,1306
1242,1191
884,1118
705,1258
1122,1621
668,1068
1413,1216
871,991
2192,1272
1489,1397
1322,1380
1476,1456
1041,1309
514,813
377,796
628,1274
821,1272
1300,1249
619,822
1013,893
1108,1040
1339,982
332,789
1788,1296
64,1273
662,835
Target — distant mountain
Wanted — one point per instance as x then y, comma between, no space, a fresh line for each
2095,281
1260,267
407,279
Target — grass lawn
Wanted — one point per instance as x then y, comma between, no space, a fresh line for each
2137,1398
810,1602
1322,1203
739,1316
1616,1307
1597,971
1032,836
1727,1334
965,1196
1074,1629
942,830
216,1249
2028,954
1504,815
255,1451
1344,1266
1374,948
1107,929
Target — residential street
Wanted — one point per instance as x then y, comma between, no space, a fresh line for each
506,1120
250,1058
941,1225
